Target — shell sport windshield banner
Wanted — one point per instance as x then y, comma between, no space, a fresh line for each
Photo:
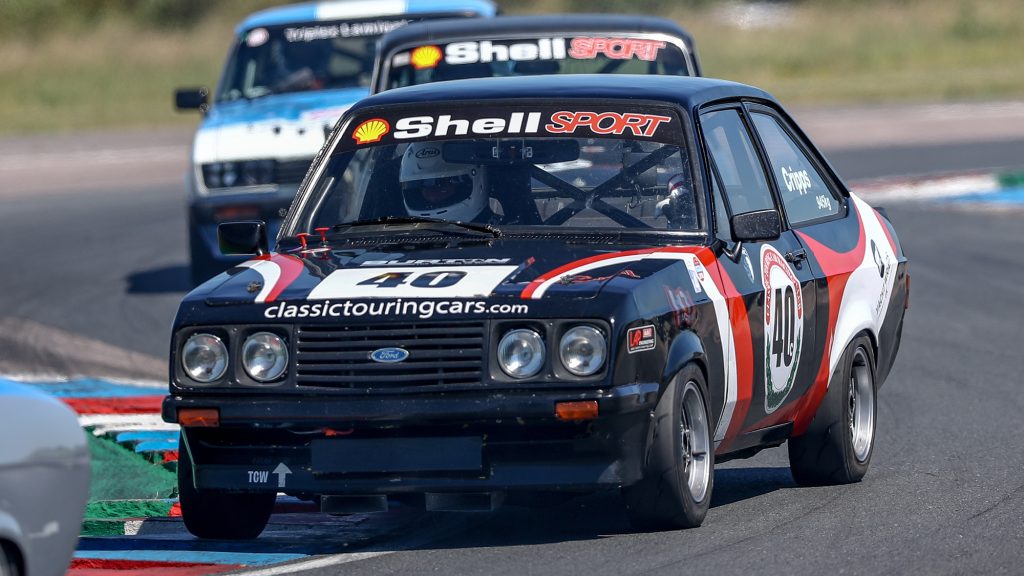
583,48
580,120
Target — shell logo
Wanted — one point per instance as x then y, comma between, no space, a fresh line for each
425,57
371,131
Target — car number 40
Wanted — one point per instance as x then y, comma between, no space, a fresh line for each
437,279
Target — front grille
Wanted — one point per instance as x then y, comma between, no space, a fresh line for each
291,171
439,354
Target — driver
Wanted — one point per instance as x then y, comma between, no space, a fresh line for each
680,208
433,188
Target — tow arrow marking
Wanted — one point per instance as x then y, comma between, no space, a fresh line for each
282,472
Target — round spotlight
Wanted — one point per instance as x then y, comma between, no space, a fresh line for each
521,353
583,350
264,356
204,357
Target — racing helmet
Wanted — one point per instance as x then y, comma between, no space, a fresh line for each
433,188
680,207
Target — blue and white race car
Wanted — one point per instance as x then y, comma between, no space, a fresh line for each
291,73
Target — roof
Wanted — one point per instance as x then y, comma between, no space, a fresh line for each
532,26
687,91
354,9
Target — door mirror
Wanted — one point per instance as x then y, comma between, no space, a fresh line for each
243,238
191,99
757,226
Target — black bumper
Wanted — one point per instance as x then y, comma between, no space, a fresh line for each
480,441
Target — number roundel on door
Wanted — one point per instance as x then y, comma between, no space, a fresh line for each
783,327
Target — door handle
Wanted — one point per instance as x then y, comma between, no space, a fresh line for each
796,257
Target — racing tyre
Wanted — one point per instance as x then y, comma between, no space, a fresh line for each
837,447
678,477
220,515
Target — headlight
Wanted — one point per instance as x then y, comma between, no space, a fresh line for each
229,174
264,356
257,172
521,353
204,358
583,350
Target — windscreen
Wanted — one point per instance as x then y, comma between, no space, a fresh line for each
306,56
519,167
535,56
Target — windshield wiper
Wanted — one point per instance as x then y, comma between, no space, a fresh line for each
481,228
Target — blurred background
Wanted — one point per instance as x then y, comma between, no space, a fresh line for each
85,64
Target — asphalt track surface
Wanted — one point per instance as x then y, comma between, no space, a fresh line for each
91,280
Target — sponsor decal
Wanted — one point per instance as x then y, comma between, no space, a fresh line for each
412,282
697,273
615,48
528,50
388,355
783,327
371,131
606,123
257,37
562,122
422,309
796,181
425,57
445,125
430,152
438,262
883,262
487,51
640,339
341,30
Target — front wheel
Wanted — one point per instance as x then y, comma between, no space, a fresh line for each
220,515
837,447
675,491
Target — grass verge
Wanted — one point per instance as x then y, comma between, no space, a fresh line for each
115,72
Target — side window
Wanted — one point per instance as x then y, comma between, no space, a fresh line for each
723,229
803,190
733,154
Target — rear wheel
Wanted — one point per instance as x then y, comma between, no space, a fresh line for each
675,490
220,515
837,447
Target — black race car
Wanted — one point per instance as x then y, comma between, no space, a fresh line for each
485,289
533,45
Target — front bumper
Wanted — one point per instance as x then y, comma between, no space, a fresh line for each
480,441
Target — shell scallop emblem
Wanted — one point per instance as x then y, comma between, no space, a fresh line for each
371,131
425,57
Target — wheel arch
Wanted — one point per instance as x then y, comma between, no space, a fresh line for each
849,333
687,348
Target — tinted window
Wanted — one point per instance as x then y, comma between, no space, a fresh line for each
733,153
518,166
803,190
